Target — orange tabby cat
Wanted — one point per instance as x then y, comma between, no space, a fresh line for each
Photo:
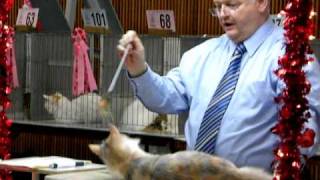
127,160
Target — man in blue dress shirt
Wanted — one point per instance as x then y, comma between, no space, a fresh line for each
244,135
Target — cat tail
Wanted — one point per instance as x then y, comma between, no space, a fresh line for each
252,173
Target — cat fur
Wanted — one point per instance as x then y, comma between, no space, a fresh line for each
137,117
127,160
89,107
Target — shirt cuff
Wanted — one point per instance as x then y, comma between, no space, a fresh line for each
135,76
140,82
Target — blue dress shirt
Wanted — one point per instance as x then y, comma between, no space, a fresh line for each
245,137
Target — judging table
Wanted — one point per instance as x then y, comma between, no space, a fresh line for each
36,168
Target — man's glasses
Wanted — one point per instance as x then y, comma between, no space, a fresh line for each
226,8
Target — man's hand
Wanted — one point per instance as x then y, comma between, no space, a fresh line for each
135,63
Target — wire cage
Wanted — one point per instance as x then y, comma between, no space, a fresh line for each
45,62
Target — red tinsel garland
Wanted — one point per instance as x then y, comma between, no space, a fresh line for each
6,34
294,110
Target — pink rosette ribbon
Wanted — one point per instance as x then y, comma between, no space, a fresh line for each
11,59
83,80
27,3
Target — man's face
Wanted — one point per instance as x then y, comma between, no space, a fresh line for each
239,18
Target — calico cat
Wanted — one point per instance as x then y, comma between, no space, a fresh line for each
127,160
89,108
158,124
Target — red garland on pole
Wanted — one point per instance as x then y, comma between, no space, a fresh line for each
294,110
6,74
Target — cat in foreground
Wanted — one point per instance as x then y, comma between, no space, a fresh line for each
127,160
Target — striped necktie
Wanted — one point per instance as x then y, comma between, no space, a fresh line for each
210,124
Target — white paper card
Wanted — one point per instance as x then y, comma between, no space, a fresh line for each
27,17
277,19
161,20
95,18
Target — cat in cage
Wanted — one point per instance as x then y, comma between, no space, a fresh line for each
137,117
87,108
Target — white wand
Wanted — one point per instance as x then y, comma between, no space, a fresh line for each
116,75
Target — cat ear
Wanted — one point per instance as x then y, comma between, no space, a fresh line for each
95,149
114,130
45,96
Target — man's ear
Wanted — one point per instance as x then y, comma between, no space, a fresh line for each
95,149
263,5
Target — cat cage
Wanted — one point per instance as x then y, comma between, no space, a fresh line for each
45,62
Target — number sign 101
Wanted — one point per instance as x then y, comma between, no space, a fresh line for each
95,18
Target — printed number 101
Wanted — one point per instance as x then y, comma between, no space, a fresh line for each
98,19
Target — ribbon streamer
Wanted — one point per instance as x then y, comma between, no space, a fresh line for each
11,60
83,79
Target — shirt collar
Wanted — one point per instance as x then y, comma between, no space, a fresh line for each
255,40
259,36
